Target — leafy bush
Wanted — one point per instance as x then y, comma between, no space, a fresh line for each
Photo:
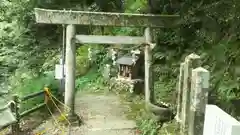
92,76
149,127
208,30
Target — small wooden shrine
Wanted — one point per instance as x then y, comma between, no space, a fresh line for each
128,67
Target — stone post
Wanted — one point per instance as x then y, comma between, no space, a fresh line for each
199,100
179,93
191,62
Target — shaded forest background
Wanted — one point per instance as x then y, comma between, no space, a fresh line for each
210,28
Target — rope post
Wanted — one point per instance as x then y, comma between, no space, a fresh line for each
15,109
46,95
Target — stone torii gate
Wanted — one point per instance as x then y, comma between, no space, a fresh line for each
72,18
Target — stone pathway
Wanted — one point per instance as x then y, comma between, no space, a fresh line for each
103,114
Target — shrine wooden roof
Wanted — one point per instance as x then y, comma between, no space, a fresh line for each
126,60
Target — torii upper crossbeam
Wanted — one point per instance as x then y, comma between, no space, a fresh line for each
104,18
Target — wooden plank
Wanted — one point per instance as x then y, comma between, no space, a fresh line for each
95,39
104,18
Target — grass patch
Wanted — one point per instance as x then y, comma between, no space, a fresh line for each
90,77
146,125
137,112
169,128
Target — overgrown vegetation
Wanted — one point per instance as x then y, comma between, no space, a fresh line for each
35,85
208,28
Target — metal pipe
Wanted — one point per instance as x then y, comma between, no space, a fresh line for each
62,81
25,113
31,96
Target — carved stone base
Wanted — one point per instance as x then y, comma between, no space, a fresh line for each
160,112
74,120
133,86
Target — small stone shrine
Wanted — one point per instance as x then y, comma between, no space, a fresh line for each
127,67
128,71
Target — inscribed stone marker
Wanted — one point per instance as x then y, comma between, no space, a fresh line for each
218,122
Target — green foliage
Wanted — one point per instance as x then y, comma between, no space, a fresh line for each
82,62
82,65
23,43
145,124
210,30
170,128
90,78
135,6
149,127
35,84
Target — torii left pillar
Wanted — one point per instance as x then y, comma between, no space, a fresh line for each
69,98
